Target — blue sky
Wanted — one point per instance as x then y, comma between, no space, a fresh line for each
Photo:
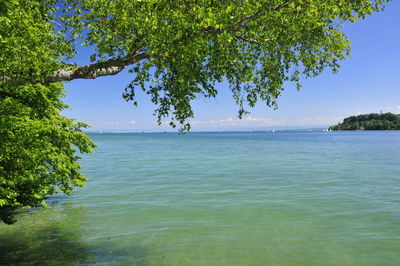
368,81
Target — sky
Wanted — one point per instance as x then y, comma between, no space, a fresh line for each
368,82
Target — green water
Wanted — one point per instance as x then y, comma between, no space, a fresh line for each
284,198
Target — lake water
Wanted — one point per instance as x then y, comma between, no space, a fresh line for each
237,198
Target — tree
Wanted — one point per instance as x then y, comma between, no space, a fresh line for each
37,144
176,52
374,121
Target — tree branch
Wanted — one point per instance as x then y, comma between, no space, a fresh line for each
106,68
115,65
242,22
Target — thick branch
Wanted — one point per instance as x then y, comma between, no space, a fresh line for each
92,71
106,68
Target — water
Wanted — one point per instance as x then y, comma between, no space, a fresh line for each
255,198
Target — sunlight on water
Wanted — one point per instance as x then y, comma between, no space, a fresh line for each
285,198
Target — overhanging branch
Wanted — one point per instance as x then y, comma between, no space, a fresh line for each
106,68
116,65
92,71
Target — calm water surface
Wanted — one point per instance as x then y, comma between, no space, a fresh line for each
284,198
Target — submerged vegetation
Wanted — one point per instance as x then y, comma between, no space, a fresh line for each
374,121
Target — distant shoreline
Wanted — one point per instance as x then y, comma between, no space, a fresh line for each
373,121
324,130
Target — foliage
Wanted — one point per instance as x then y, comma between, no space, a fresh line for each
385,121
179,51
37,144
255,45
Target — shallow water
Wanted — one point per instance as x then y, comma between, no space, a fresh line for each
238,198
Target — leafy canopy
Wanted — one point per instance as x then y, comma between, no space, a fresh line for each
176,51
255,45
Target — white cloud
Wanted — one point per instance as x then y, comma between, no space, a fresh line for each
165,123
314,121
395,109
111,123
235,122
254,122
115,124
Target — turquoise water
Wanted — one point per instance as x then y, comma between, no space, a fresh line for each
255,198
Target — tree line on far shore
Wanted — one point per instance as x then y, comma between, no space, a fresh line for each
374,121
